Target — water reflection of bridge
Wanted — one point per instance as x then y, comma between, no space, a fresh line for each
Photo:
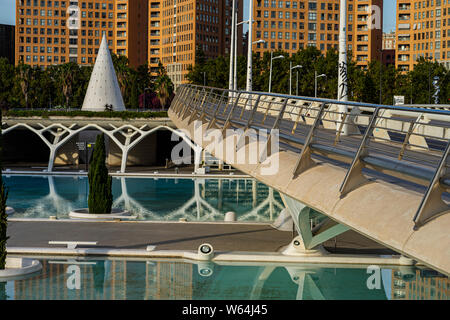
197,199
179,280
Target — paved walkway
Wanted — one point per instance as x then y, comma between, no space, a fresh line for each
174,236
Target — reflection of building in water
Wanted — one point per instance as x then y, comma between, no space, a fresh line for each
419,286
173,281
108,280
166,280
211,199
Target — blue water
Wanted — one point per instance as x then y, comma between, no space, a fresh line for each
149,198
155,280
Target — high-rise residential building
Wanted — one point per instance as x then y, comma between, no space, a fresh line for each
294,25
388,57
7,39
177,28
52,32
423,30
389,41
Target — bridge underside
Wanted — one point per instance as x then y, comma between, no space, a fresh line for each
382,209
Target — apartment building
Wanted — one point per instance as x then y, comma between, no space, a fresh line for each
178,27
53,32
389,40
294,25
423,30
388,55
7,39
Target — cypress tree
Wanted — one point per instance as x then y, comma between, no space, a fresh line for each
100,183
3,216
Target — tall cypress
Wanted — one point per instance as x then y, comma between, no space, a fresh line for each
100,183
3,216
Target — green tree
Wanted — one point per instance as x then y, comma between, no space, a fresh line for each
67,74
134,92
123,73
422,81
24,77
6,82
100,183
163,86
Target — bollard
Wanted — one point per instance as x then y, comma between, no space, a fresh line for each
230,216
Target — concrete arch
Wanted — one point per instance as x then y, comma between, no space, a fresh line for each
64,134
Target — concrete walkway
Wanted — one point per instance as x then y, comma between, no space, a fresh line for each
174,236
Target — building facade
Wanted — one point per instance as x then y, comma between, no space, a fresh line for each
177,28
423,30
7,39
388,57
389,41
55,32
294,25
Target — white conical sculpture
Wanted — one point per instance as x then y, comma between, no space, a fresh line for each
103,89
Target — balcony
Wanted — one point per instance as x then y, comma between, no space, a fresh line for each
363,28
364,38
403,57
363,8
404,7
363,48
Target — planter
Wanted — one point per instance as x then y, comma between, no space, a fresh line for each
85,215
17,268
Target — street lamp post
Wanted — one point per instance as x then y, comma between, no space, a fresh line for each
342,66
232,51
429,79
296,85
381,66
315,81
235,51
290,75
204,79
270,72
249,52
259,41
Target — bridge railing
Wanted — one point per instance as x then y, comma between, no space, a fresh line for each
406,142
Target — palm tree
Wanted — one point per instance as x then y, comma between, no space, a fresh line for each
163,86
66,75
24,76
122,68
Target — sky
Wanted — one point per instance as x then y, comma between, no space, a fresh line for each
7,13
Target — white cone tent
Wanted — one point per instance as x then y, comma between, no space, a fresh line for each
103,88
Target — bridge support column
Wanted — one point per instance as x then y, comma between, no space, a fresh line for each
310,238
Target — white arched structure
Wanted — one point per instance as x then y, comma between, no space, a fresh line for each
133,135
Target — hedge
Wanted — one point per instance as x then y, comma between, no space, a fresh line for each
88,114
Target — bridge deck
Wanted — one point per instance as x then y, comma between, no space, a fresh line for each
383,209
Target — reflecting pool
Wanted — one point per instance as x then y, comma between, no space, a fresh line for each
169,199
155,280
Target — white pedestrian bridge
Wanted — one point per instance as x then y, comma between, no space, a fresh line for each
379,170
